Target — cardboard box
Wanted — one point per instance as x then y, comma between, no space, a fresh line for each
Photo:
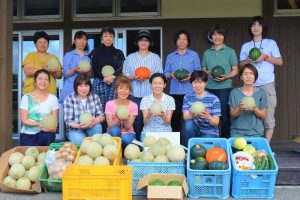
164,192
4,168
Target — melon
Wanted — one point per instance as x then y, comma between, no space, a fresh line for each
146,156
158,149
32,151
85,117
249,149
41,157
176,154
16,171
107,70
156,108
149,141
85,160
23,183
49,121
161,158
197,108
181,74
157,182
28,162
217,71
9,181
248,102
122,112
254,53
132,152
174,183
33,173
240,143
94,150
164,141
96,137
84,145
15,157
101,161
106,139
110,152
84,65
52,63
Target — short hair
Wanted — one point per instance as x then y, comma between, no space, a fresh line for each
82,79
252,68
40,34
218,28
109,30
261,21
160,75
79,35
123,80
41,71
198,75
178,33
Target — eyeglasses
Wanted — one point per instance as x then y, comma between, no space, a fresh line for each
43,79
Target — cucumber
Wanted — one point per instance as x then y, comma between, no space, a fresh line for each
263,163
267,163
271,163
256,162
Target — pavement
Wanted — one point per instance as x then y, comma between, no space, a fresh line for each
281,193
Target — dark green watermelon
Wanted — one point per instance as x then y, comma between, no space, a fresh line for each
217,165
174,183
254,53
198,151
157,182
217,71
181,74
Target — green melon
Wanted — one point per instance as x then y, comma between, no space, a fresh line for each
84,65
107,70
181,74
197,107
254,53
157,182
248,102
122,112
85,117
217,71
52,63
49,121
156,108
174,183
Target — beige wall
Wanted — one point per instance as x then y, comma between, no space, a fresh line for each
203,8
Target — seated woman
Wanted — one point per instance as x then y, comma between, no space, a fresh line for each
82,100
121,127
157,122
247,122
34,105
206,123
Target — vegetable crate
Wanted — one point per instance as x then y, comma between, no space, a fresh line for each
209,183
141,169
97,182
254,183
48,184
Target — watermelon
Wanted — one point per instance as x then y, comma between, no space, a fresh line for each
181,74
174,183
157,182
217,71
254,53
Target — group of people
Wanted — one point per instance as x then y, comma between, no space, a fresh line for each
102,96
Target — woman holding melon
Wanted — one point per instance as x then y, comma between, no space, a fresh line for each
41,60
158,107
201,110
138,68
248,105
33,107
75,62
83,112
264,54
221,64
121,112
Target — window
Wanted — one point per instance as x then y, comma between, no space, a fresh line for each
139,7
287,7
93,7
15,8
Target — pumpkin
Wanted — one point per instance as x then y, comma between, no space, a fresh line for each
199,163
217,165
216,154
254,53
198,151
181,74
142,72
217,71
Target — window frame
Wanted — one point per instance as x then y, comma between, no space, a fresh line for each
285,12
141,14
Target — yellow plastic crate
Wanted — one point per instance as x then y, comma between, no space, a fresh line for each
117,161
97,183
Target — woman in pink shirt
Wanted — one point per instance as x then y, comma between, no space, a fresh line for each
121,127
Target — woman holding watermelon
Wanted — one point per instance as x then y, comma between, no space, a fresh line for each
221,64
264,60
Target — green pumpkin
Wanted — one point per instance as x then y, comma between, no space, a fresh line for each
217,165
254,53
198,151
217,71
181,74
198,164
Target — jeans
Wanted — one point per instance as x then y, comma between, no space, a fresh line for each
190,130
138,122
39,139
77,136
126,138
223,95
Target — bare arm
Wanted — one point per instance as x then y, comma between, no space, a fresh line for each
30,70
25,120
213,120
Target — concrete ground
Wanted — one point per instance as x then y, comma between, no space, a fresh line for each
281,193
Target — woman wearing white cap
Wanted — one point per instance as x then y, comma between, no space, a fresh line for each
141,87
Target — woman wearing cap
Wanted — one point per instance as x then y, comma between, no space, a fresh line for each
224,56
141,87
270,56
106,54
182,57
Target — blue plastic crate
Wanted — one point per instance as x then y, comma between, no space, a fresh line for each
141,169
254,183
209,183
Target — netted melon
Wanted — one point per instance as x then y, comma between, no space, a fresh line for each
85,117
107,70
197,107
52,63
84,65
49,121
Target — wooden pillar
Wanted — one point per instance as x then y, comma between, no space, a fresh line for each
6,35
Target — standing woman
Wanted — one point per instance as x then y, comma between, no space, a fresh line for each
71,61
38,60
34,105
270,56
182,57
141,87
220,55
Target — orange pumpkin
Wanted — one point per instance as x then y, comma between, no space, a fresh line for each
216,154
142,72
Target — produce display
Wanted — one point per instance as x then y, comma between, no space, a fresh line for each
24,168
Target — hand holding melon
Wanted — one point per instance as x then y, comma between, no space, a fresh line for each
247,103
52,65
84,66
